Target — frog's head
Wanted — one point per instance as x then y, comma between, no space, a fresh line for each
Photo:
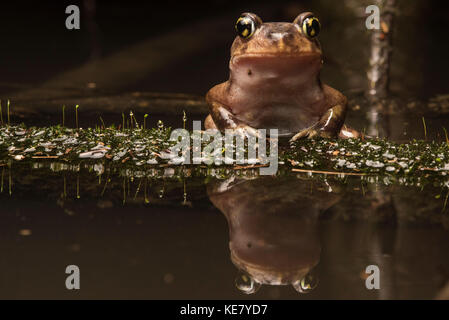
276,46
251,277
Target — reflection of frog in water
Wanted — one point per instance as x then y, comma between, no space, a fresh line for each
274,82
273,234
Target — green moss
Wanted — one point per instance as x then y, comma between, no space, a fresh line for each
137,149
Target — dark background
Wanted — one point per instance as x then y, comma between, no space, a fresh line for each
183,46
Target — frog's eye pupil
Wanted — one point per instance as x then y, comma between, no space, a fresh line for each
245,27
311,27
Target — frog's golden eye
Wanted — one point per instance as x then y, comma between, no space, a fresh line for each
311,26
246,25
308,24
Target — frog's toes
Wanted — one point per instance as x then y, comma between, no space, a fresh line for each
313,132
247,131
306,133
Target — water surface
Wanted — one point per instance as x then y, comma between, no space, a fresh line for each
162,236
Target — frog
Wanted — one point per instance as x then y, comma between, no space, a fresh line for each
274,83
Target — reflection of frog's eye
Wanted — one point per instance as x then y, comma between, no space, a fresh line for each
311,26
245,26
246,284
306,284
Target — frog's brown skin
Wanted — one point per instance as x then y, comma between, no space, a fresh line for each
274,83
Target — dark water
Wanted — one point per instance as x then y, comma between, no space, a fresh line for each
160,236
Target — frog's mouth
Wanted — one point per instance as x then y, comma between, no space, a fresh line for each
276,65
282,57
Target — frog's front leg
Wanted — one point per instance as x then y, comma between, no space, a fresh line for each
328,126
221,118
